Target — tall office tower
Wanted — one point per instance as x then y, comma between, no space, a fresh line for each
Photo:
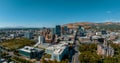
65,30
58,30
81,31
41,39
28,35
53,31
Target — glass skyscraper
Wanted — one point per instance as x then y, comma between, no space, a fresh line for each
58,30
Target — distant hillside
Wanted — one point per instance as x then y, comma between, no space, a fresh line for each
89,25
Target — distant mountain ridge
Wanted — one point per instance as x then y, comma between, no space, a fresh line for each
92,25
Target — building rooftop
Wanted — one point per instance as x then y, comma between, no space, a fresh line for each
66,42
58,48
95,37
117,41
30,49
105,47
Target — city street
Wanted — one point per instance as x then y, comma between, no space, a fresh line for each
77,53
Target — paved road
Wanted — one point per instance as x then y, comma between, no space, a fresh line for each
75,58
76,55
38,62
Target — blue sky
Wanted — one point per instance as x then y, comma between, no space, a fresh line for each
48,13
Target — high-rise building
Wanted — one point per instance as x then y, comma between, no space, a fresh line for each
49,38
28,35
65,30
58,30
105,49
41,39
81,31
53,31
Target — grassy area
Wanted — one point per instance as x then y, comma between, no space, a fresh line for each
47,56
4,54
14,44
89,54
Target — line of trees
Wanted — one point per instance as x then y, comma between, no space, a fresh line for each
89,54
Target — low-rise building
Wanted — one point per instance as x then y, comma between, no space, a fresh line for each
31,52
57,52
84,39
98,33
28,35
117,41
105,50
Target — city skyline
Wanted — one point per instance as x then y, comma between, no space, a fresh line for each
48,13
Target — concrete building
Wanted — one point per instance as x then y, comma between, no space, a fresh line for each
64,30
58,30
48,38
113,36
105,49
103,32
84,39
28,35
57,52
81,31
41,39
12,35
117,41
53,31
71,37
98,33
30,52
95,38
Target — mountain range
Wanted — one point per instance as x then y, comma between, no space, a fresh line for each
88,25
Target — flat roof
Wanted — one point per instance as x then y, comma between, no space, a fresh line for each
58,48
29,49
